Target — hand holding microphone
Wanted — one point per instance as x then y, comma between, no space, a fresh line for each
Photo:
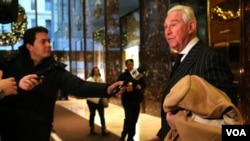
134,74
129,87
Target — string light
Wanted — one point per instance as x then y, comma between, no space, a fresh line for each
17,29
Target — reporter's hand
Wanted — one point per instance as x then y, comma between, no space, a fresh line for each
113,86
8,85
28,82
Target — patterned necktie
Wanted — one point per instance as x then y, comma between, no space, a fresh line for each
176,64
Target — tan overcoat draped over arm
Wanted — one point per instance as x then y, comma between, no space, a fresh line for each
202,110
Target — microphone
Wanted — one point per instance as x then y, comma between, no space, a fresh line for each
134,74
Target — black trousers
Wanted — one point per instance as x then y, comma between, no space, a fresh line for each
92,109
132,111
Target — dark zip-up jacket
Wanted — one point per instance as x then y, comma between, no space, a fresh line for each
136,96
37,105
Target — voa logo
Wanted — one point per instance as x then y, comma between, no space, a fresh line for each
236,132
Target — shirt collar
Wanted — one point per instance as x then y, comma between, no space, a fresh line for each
189,47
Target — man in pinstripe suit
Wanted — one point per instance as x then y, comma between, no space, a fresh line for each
180,31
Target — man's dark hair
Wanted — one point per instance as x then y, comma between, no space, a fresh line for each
30,34
129,60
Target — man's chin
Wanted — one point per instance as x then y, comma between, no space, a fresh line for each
174,48
47,55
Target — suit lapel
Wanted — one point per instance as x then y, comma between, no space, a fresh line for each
184,67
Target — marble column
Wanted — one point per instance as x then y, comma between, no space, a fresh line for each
154,52
112,40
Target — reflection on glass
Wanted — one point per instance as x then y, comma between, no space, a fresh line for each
130,30
227,10
98,8
99,51
99,36
130,36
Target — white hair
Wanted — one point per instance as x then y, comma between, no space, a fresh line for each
188,12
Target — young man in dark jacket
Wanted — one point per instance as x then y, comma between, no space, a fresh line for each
131,100
28,116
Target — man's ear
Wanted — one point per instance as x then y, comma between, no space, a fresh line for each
29,46
192,26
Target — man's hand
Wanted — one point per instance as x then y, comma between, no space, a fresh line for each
170,117
114,85
28,82
8,85
129,87
138,86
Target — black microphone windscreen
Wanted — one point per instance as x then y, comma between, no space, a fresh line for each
141,68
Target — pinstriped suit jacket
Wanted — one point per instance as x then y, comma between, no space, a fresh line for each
207,63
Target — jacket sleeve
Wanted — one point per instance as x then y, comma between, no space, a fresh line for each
81,88
218,73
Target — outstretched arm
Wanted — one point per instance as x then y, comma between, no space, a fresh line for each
113,86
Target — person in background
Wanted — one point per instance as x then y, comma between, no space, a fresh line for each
28,116
198,59
131,100
96,104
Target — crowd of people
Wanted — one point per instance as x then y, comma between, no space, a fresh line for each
27,103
